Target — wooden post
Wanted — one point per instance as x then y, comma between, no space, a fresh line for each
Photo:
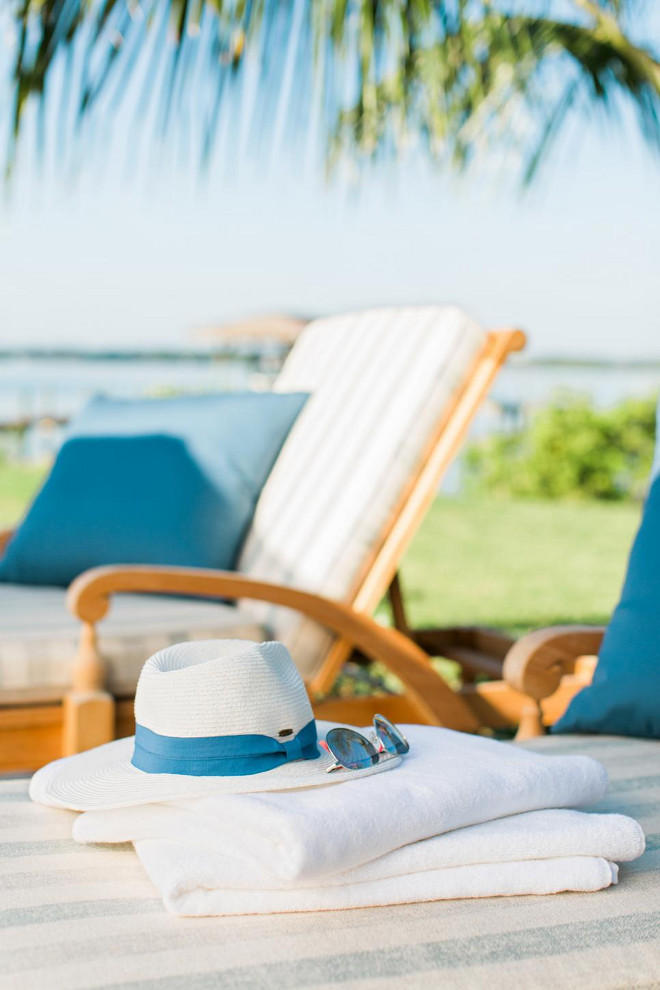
531,722
88,710
88,673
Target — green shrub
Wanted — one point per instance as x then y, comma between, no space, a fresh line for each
570,449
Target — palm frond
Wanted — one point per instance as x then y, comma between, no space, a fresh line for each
453,75
504,80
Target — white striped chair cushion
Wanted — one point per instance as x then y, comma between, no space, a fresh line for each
380,382
39,638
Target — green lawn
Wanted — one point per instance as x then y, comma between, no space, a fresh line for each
517,564
18,482
511,564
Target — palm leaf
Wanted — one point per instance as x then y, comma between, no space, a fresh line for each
456,76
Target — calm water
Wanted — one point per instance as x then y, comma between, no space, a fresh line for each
531,385
46,387
35,388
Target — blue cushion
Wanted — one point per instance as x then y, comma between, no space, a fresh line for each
624,698
154,481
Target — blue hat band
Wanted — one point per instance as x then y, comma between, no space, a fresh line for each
220,756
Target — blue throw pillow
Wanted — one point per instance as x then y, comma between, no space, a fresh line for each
624,698
162,481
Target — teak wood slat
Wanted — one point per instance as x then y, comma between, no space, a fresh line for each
30,735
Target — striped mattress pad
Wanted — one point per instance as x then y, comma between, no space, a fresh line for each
86,916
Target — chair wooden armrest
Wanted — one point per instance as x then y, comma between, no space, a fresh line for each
550,666
89,600
536,664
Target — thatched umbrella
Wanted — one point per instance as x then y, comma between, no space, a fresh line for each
276,328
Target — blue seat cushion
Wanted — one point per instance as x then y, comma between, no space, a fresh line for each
153,481
624,697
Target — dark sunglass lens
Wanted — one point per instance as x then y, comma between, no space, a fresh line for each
351,749
390,736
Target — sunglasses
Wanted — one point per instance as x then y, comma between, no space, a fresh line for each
353,751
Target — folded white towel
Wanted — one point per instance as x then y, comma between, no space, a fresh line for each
541,852
172,836
448,780
186,881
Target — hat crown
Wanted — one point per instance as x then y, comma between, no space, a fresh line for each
222,687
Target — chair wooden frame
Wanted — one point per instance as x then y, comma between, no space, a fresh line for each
42,727
89,711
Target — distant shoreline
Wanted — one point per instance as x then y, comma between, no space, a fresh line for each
183,354
598,364
248,352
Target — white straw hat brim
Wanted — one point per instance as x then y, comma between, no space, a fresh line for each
104,778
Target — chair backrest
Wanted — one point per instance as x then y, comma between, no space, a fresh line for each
381,382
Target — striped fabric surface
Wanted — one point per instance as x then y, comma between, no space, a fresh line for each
380,382
39,637
79,917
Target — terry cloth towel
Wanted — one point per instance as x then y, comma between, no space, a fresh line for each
539,852
448,780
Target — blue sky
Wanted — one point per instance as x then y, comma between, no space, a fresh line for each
140,257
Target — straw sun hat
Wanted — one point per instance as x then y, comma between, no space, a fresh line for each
215,716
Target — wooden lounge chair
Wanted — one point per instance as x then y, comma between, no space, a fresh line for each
393,393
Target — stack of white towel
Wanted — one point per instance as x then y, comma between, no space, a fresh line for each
461,816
